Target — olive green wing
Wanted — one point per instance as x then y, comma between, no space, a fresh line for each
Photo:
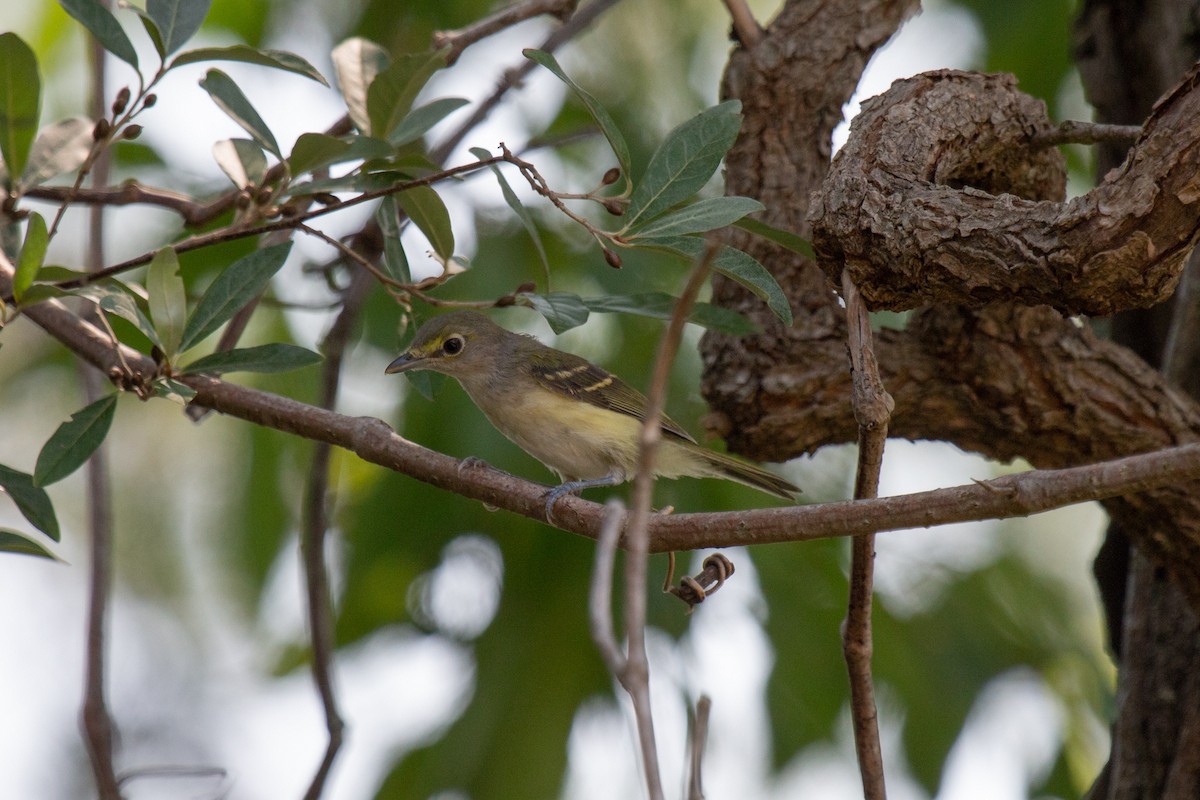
578,378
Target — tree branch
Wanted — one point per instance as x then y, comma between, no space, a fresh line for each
872,409
1164,469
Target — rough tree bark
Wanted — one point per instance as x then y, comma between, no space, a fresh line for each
940,199
1128,56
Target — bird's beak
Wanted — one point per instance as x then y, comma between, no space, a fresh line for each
405,362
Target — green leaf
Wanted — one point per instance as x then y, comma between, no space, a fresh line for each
104,26
392,92
121,302
58,148
797,244
562,310
395,260
428,212
264,358
685,161
357,62
74,441
733,264
16,542
173,390
33,254
699,217
603,119
314,150
20,102
660,305
242,161
32,501
151,30
176,20
426,382
519,209
276,59
229,98
168,300
233,288
418,121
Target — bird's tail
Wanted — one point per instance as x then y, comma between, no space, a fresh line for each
734,469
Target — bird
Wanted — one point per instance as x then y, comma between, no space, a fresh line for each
578,419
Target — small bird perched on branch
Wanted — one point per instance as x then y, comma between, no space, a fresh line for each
579,420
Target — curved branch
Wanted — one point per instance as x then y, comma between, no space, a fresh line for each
918,206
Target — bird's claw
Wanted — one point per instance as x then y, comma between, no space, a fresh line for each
471,462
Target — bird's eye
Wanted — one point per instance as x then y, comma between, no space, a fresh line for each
453,346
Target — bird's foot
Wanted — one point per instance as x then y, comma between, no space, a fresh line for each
574,487
471,462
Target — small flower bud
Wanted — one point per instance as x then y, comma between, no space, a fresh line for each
325,198
150,100
529,286
119,105
613,206
289,210
612,258
131,132
101,131
611,177
263,196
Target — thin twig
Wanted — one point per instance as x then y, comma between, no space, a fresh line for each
636,676
872,410
317,498
697,740
512,77
1074,132
98,728
457,41
600,594
746,29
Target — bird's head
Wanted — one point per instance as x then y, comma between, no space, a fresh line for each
460,344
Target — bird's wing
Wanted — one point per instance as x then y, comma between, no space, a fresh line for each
576,377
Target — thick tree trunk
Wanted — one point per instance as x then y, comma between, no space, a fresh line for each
1128,55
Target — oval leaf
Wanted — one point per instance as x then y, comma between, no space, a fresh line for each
104,26
20,102
519,209
168,300
395,260
176,20
74,441
797,244
233,288
562,310
16,542
699,217
603,119
392,92
32,501
242,161
418,121
660,305
33,254
357,62
121,302
264,358
733,264
230,99
428,212
277,59
685,161
61,147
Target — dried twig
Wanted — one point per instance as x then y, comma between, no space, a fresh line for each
457,41
1074,132
98,728
697,740
746,29
872,410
